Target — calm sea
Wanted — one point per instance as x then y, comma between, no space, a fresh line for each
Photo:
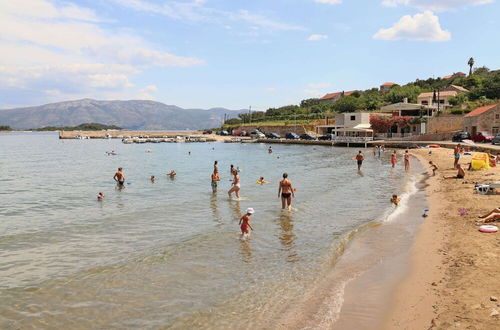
168,254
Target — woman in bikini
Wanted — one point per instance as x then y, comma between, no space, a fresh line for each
286,193
236,184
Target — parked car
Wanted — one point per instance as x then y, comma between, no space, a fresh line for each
482,137
239,133
257,134
223,133
273,136
326,137
460,136
207,131
308,136
292,136
496,139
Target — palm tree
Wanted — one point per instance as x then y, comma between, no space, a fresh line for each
471,64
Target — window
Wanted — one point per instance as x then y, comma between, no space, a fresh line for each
441,101
494,130
425,102
497,116
353,117
414,128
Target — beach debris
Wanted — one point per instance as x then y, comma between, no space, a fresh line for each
494,312
425,215
463,212
493,298
434,284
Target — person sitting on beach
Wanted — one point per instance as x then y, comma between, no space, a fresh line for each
215,178
100,196
286,192
152,179
119,177
395,200
460,173
494,211
172,174
433,168
245,222
492,216
261,180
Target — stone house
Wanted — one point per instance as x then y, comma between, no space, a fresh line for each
456,88
483,119
443,98
334,97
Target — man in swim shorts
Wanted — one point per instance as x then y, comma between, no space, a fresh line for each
119,177
286,193
215,178
360,157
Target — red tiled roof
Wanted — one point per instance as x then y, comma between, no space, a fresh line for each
388,84
334,95
447,77
481,110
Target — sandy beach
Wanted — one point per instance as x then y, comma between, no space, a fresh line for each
454,268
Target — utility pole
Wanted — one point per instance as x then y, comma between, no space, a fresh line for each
250,114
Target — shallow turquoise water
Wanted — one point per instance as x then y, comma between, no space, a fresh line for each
168,254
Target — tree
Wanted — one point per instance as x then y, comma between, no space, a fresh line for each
458,100
309,102
381,124
403,122
232,121
471,64
399,93
5,128
347,104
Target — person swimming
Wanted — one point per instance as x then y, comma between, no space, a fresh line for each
270,150
172,174
395,200
261,180
100,196
245,222
152,179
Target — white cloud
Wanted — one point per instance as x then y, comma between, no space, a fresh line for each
319,85
63,49
145,93
196,11
271,90
421,27
329,2
317,37
313,92
436,5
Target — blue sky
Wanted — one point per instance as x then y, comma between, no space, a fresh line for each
234,54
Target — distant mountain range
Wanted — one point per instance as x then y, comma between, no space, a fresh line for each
133,115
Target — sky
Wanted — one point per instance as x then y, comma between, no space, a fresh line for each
234,54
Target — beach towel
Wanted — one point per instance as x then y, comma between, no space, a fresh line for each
480,161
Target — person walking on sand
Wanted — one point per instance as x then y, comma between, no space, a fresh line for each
286,192
456,152
360,157
433,168
407,160
245,222
119,177
236,184
215,178
394,158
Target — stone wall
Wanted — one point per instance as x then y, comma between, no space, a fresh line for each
445,123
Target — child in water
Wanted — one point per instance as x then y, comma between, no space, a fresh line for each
261,180
152,178
395,200
245,222
100,196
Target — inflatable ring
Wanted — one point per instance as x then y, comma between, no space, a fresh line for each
488,229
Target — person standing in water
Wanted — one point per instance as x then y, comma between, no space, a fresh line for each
119,177
270,150
245,222
215,179
394,158
360,157
407,160
216,166
236,184
286,193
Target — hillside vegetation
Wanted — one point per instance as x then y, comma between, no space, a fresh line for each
483,86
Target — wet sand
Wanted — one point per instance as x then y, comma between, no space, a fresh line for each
454,268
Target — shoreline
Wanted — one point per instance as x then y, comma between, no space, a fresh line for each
453,266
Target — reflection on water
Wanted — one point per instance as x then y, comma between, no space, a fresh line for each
286,236
246,250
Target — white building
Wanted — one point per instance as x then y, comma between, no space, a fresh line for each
350,124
